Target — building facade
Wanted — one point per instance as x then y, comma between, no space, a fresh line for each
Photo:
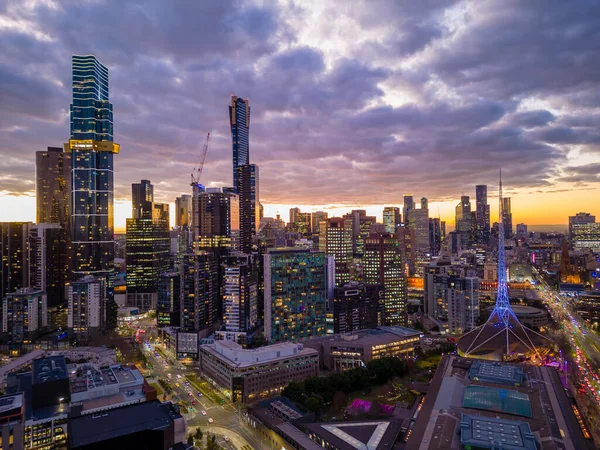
239,121
183,211
462,298
240,294
53,186
14,256
24,315
357,306
392,219
87,307
335,240
249,376
248,188
295,294
482,215
168,311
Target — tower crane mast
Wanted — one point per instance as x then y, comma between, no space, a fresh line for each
197,172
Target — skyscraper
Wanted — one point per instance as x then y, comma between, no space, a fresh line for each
382,264
483,215
92,150
409,204
87,307
316,218
14,256
357,306
169,299
336,240
183,211
53,186
424,203
295,294
148,244
463,221
391,219
239,120
25,314
248,187
507,218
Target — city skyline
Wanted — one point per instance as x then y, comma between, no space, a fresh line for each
432,111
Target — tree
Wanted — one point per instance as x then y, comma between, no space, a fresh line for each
190,439
339,400
198,434
314,403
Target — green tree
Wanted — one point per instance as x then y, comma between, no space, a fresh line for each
190,439
314,404
198,434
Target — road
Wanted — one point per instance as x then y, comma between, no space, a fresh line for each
585,345
227,420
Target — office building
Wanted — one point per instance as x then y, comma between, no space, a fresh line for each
49,259
581,218
295,294
434,286
219,214
435,236
521,231
248,188
584,232
12,422
200,278
92,150
24,315
462,299
482,209
507,218
148,244
142,199
360,225
392,219
53,186
424,203
239,120
383,264
463,223
14,256
87,307
489,405
409,204
293,214
316,219
248,376
419,223
168,310
183,211
347,351
357,306
240,296
302,224
336,240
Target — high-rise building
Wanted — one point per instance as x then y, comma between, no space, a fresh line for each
482,215
148,243
92,149
219,214
462,298
49,258
383,264
87,307
183,211
435,236
336,240
14,256
200,277
357,306
507,218
419,222
168,313
142,198
303,224
295,294
293,214
521,230
424,203
463,222
392,219
316,219
24,314
240,297
248,188
239,120
409,204
584,232
53,186
360,225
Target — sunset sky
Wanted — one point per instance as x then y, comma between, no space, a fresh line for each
353,104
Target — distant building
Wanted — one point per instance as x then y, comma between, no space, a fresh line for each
346,351
168,311
383,264
392,219
482,227
507,218
295,294
316,218
584,232
239,121
409,204
200,285
463,222
183,211
87,307
24,315
14,256
462,298
357,306
521,231
336,240
248,188
248,376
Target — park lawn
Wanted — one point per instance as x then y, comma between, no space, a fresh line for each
428,362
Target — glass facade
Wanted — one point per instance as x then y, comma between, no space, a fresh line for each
249,208
91,148
239,119
295,294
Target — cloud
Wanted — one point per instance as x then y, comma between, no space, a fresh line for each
350,105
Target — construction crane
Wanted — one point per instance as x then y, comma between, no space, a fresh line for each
197,172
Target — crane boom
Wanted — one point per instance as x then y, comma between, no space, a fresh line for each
197,172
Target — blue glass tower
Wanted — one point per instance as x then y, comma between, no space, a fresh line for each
92,150
239,119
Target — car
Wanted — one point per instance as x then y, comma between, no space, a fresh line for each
187,383
210,420
199,394
178,376
193,402
226,439
190,394
203,413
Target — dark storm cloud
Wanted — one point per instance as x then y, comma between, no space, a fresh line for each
324,127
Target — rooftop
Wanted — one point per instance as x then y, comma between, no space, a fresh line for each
232,351
372,336
493,433
499,373
49,369
112,423
494,399
363,435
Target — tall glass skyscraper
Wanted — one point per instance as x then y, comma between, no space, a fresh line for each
92,148
239,119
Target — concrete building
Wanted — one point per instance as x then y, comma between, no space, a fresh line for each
462,298
335,240
248,376
183,211
12,422
357,306
295,294
24,315
346,351
392,219
87,307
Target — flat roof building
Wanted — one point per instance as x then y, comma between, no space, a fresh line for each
251,375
